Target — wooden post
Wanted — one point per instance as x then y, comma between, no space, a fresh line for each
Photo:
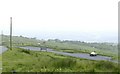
10,33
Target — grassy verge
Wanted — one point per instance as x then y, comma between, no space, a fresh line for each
99,52
106,49
31,61
0,63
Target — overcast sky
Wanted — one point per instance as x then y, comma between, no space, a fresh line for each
85,20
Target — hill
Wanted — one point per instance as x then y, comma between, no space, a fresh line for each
107,49
21,60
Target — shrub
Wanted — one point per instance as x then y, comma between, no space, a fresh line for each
103,65
25,51
64,63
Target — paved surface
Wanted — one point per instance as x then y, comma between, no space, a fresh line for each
2,49
79,55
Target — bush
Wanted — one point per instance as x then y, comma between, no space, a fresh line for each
64,63
103,65
25,51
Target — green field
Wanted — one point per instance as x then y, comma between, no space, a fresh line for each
0,63
107,49
31,61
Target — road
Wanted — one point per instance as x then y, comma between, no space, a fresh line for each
79,55
2,49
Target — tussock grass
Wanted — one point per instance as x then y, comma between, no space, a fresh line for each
106,49
31,61
0,63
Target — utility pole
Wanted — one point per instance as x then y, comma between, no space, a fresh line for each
10,33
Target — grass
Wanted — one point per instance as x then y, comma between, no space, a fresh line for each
24,61
105,53
105,49
0,63
0,57
83,48
31,61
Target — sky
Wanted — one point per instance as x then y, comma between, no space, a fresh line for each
84,20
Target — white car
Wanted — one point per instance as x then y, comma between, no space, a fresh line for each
93,54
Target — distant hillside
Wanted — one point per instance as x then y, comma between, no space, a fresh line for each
19,40
109,49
